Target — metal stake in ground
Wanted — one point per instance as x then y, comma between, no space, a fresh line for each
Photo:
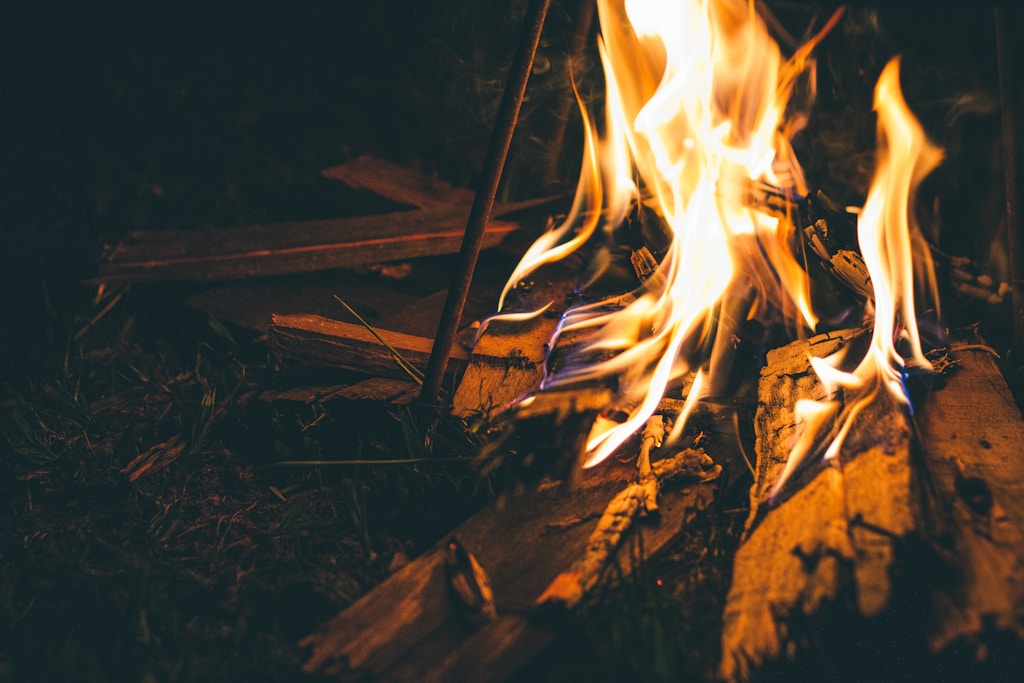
1005,62
508,114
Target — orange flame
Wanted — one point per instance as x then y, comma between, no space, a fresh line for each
889,241
695,96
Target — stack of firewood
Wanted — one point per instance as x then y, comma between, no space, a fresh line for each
917,521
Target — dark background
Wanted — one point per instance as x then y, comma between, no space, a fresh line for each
141,115
123,116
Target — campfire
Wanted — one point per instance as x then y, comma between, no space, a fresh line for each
692,221
698,285
699,121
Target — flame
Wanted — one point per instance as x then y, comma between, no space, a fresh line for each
895,253
695,117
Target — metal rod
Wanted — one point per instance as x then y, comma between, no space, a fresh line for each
1007,93
480,213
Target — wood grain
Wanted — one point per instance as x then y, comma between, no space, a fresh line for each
408,628
297,247
927,507
332,343
398,183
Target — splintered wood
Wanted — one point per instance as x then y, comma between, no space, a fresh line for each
870,531
638,499
412,628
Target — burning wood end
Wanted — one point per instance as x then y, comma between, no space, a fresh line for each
638,499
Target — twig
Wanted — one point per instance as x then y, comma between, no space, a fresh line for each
101,314
570,587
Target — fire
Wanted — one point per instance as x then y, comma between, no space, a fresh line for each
697,118
893,250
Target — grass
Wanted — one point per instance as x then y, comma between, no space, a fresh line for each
201,561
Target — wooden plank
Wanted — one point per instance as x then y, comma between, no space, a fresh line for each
408,628
303,246
831,537
332,343
253,303
506,363
973,437
894,528
508,360
398,183
395,391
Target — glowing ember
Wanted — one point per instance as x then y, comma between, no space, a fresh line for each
695,98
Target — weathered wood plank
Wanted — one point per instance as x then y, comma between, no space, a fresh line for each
297,247
304,246
973,437
392,390
408,629
253,303
332,343
397,183
832,536
910,517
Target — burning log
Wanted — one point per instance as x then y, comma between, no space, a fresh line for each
860,535
800,554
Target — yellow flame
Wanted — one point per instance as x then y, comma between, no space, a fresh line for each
696,92
694,98
889,241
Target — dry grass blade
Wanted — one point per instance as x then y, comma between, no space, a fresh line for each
409,369
155,458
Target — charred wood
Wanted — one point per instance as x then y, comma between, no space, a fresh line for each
830,234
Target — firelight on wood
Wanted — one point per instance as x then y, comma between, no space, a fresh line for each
700,113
